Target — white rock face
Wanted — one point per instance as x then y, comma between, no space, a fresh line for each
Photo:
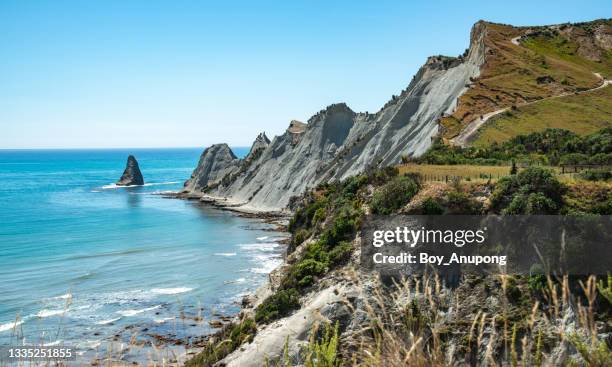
215,163
338,143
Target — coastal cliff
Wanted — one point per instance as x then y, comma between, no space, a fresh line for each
323,307
337,142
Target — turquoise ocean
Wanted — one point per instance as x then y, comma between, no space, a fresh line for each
83,262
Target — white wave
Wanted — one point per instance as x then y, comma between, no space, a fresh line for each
266,246
171,290
109,321
225,254
51,344
262,238
64,296
161,321
161,183
239,280
267,265
47,313
128,313
115,186
10,325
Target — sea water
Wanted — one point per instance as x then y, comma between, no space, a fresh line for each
84,262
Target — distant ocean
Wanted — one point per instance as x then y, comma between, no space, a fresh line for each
83,262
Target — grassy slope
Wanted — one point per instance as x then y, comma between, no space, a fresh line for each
582,114
510,74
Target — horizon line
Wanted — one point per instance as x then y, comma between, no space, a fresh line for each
116,148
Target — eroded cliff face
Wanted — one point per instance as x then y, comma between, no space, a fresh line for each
216,162
337,142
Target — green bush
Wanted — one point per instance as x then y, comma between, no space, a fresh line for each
596,174
462,203
229,339
300,236
394,194
431,207
277,305
534,190
536,283
340,253
551,146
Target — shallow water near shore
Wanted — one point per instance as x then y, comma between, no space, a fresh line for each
83,262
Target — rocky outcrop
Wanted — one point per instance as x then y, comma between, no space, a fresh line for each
593,39
337,142
215,163
261,142
131,175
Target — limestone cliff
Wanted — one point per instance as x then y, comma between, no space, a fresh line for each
215,163
338,142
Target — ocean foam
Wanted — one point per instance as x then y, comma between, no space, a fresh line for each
115,186
109,321
171,290
128,313
225,254
48,313
10,325
265,246
239,280
51,344
267,265
161,321
92,344
262,238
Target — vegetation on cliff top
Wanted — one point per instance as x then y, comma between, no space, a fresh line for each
546,62
549,147
581,114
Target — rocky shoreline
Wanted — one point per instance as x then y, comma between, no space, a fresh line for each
174,348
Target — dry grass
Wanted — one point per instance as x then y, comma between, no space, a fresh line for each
510,73
582,114
481,174
445,173
411,326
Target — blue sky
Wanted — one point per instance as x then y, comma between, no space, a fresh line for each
79,74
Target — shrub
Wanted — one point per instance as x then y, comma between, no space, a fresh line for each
229,339
534,203
277,305
300,236
340,253
394,195
596,174
534,190
431,207
551,146
462,203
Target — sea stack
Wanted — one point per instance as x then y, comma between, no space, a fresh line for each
131,176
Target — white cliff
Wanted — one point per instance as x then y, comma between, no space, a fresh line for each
337,142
